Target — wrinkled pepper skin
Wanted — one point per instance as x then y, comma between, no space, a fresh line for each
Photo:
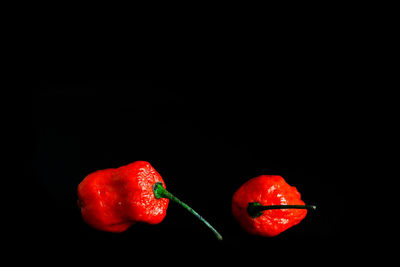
267,190
114,199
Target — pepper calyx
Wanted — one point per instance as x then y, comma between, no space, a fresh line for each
253,211
159,191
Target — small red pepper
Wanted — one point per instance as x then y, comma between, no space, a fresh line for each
267,206
114,199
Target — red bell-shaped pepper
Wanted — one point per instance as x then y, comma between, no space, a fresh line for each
267,206
114,199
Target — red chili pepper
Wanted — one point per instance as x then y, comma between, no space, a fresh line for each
114,199
267,206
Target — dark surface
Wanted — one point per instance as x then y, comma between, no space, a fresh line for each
205,137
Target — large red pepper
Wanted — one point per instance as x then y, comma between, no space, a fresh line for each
114,199
267,206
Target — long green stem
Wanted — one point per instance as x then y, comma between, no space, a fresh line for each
255,209
161,192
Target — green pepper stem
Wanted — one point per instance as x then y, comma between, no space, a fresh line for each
161,192
254,209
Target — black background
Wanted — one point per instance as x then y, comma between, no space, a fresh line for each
206,136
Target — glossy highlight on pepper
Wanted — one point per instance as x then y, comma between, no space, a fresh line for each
114,199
